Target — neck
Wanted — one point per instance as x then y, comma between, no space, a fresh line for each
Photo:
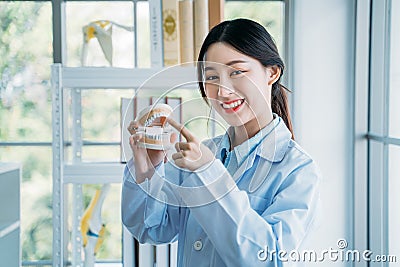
246,131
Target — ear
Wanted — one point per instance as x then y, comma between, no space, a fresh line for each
273,74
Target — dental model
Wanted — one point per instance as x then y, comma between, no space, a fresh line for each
153,125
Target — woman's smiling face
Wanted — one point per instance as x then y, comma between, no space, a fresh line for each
238,86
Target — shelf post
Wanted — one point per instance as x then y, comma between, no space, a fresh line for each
58,157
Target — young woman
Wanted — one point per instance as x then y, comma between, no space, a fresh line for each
241,199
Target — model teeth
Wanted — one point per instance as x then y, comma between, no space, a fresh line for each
149,121
154,137
233,104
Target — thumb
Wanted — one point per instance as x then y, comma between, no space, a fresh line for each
173,138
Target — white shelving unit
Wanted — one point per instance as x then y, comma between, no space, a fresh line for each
76,172
10,177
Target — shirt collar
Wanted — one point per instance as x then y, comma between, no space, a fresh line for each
275,145
271,142
244,149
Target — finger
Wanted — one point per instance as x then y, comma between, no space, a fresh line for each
179,146
133,127
177,155
182,129
134,138
180,162
173,138
137,136
131,141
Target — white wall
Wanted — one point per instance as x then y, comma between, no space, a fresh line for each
322,85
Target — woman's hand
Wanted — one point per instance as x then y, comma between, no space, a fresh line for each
145,159
191,154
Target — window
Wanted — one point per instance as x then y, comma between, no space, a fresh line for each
394,132
25,116
384,141
270,14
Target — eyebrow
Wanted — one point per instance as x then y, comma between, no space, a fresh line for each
233,62
230,63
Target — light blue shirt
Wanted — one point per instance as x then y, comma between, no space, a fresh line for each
221,219
233,159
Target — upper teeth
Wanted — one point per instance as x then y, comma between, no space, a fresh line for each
151,119
233,104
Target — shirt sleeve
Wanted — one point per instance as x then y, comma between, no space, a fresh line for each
237,231
145,209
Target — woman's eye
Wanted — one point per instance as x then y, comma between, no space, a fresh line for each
237,72
211,78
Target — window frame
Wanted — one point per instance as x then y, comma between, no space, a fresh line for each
378,137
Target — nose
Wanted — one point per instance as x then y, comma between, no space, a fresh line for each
224,90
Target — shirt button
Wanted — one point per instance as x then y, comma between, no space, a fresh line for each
198,245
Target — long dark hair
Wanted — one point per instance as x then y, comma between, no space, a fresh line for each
252,39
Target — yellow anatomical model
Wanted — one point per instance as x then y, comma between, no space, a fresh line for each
92,228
